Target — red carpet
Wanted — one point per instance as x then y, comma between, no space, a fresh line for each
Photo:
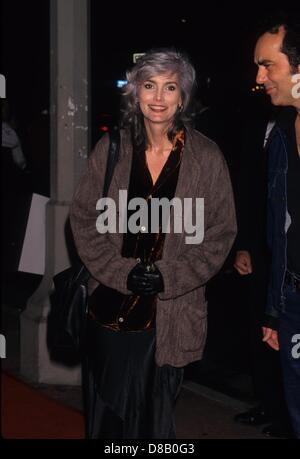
28,414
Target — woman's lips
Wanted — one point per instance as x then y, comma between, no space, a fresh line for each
156,108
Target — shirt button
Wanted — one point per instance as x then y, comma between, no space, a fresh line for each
121,320
138,260
143,228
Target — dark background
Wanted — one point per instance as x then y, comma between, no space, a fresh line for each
219,41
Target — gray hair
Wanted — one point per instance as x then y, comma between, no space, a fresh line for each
157,62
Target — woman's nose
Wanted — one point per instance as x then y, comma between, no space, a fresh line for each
158,94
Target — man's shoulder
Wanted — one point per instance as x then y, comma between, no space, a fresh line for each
283,128
286,118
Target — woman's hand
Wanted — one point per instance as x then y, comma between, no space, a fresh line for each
145,280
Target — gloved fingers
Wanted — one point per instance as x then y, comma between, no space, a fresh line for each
146,277
145,280
151,277
143,287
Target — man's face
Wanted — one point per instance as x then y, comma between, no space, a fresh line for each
274,70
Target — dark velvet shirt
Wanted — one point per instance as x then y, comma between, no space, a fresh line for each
133,312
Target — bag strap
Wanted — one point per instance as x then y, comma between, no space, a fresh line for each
83,275
113,156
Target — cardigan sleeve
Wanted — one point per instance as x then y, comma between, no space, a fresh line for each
101,257
199,262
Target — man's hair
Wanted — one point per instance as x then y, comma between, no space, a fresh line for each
291,40
157,62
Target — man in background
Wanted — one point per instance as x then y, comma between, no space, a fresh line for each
252,262
277,55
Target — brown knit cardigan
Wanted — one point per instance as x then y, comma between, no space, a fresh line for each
181,318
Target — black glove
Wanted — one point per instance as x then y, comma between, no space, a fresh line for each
154,279
145,280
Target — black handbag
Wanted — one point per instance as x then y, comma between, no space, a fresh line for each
69,301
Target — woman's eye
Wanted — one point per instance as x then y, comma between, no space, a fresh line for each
171,87
148,85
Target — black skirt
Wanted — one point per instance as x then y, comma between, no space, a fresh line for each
126,394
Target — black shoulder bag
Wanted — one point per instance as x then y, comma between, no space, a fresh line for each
67,319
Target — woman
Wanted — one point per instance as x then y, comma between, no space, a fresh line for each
147,309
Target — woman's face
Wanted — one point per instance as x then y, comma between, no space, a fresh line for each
159,98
